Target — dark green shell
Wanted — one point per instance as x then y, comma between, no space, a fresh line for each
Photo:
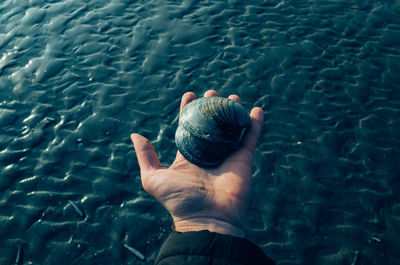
210,129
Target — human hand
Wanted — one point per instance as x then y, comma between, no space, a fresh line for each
200,198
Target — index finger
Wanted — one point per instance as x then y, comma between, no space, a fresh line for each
186,99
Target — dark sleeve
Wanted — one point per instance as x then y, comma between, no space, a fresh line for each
206,248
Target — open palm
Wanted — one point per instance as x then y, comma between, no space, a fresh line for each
198,198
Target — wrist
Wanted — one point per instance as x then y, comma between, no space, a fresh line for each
209,224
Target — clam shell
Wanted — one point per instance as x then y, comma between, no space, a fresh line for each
210,129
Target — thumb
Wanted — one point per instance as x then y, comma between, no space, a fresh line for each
145,153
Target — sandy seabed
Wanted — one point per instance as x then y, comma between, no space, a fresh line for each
77,77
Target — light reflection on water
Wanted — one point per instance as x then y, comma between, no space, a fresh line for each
76,78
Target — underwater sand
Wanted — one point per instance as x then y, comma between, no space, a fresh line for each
77,77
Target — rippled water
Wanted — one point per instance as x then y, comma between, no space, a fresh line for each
77,77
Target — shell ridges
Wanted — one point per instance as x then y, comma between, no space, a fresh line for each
210,129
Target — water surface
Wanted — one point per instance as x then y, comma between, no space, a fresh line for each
77,77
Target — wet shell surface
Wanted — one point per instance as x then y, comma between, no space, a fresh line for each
210,129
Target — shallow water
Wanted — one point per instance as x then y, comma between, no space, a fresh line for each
77,77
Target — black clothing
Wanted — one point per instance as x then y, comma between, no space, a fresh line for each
207,248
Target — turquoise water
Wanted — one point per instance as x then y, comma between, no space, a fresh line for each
77,77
